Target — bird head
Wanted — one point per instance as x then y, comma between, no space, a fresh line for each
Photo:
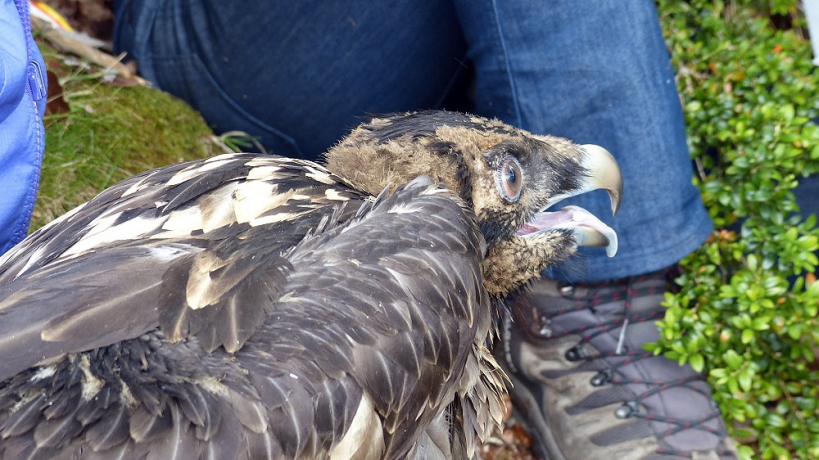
508,176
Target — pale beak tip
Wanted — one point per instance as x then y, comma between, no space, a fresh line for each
605,173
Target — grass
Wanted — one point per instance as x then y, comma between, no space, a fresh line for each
109,133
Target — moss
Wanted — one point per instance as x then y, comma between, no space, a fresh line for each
109,133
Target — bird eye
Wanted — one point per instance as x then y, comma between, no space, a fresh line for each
510,179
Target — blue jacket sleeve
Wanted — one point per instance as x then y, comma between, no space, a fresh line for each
22,105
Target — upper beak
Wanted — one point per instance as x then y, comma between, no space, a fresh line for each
603,173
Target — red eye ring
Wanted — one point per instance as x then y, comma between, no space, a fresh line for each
510,179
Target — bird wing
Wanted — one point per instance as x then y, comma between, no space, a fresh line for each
392,299
114,268
362,348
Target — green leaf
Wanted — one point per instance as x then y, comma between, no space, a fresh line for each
787,112
733,359
693,106
745,452
745,379
753,262
775,420
697,362
795,332
747,336
813,289
763,323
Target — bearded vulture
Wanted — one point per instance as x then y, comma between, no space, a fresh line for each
252,306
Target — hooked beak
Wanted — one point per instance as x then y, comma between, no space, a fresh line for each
602,173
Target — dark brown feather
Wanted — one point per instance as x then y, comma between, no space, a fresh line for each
112,433
23,419
146,426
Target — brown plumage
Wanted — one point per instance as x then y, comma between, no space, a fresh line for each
251,306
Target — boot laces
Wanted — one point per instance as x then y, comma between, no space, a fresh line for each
617,358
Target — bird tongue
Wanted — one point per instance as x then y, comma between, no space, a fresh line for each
588,230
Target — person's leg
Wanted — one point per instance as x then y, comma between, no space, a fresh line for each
297,74
598,72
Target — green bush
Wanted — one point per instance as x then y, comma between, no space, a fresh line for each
747,309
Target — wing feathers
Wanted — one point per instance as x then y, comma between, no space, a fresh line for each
384,360
177,442
146,426
57,433
101,306
250,413
199,407
364,440
340,332
115,430
242,291
23,419
262,446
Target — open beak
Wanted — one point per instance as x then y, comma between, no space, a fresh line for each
602,173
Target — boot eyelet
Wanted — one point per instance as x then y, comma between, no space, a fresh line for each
566,290
543,328
575,353
603,377
625,411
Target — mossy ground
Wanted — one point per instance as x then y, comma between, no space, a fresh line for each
109,133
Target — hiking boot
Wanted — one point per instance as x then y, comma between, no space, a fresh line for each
588,390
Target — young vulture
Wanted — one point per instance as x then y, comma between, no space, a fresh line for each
253,306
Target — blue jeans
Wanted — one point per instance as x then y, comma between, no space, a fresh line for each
299,74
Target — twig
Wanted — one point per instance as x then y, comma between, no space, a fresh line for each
68,42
